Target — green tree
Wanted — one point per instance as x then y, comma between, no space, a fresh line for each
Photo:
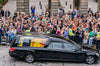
1,1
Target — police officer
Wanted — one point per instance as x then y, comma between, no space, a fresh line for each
71,34
28,31
98,40
48,31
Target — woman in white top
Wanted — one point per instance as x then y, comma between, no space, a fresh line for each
14,30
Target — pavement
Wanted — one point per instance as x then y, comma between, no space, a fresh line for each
6,60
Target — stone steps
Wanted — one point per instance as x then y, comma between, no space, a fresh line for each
93,5
54,6
11,5
98,5
3,42
23,6
84,6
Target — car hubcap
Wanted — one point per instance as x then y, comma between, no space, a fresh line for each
29,58
90,60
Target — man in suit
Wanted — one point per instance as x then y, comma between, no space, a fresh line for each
15,15
2,12
7,13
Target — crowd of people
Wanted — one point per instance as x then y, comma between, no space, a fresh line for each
82,29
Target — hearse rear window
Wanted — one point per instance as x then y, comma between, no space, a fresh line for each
32,42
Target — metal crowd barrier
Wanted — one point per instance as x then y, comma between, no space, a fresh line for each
5,38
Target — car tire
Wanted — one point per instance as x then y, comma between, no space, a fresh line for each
29,58
90,60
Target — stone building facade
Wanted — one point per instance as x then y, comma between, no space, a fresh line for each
67,4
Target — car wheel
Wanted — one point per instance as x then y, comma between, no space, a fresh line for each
29,58
90,60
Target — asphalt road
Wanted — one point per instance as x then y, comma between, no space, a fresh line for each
6,60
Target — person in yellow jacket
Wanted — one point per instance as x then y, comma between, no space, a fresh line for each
71,34
48,31
98,40
28,32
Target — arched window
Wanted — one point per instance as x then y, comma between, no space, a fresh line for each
66,3
70,6
39,2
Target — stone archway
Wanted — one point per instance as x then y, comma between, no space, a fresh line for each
76,4
53,6
81,5
98,5
23,6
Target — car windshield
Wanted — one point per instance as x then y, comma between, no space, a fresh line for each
77,47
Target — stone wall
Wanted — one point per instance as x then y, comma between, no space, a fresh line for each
45,2
67,7
93,5
98,5
36,3
11,5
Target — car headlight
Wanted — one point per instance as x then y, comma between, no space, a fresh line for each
97,54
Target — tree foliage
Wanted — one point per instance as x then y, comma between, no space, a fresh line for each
1,1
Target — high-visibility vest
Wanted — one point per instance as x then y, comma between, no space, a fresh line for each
28,33
71,32
48,32
98,35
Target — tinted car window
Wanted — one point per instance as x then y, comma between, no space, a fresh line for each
13,43
69,46
55,45
32,42
25,41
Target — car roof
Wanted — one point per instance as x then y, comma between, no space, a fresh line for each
43,35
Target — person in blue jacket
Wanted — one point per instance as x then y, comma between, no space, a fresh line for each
33,10
0,34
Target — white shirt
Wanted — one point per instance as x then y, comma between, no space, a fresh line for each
14,31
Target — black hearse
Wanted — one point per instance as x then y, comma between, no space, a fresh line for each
49,47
